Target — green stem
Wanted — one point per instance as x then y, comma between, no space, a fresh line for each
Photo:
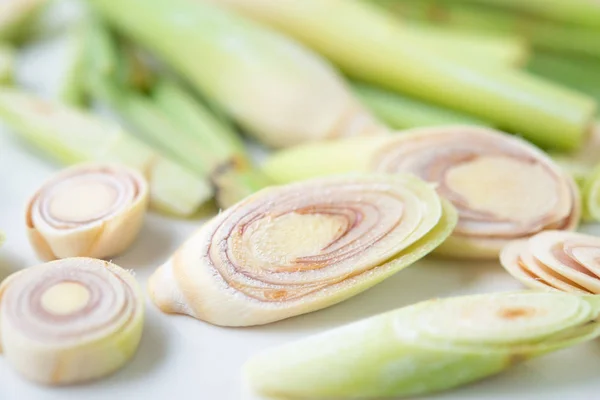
374,50
475,19
404,112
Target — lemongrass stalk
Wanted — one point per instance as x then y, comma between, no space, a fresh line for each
581,74
486,174
87,211
373,49
277,90
426,347
16,15
590,195
293,249
576,12
404,112
7,64
555,261
101,312
474,19
71,136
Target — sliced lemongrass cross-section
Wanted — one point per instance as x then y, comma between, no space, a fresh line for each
292,249
92,210
427,347
566,261
70,320
503,187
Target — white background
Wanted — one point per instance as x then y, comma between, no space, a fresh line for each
182,358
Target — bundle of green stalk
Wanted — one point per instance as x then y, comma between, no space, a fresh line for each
460,16
373,48
376,49
170,118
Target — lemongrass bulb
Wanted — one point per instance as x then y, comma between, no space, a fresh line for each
555,260
90,210
503,187
70,320
426,347
292,249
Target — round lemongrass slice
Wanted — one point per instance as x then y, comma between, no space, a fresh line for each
503,187
87,210
426,347
293,249
557,260
70,320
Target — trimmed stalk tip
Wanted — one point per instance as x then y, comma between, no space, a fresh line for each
87,210
426,347
100,308
293,249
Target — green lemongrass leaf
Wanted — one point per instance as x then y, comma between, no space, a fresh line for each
273,87
404,112
375,49
71,136
427,347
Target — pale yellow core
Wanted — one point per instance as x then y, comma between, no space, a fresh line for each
65,298
504,186
274,242
82,202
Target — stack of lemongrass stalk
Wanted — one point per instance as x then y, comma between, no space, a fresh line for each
398,129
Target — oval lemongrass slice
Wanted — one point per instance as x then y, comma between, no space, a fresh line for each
426,347
87,210
70,320
558,260
297,248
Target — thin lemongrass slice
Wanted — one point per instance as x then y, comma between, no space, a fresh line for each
15,16
70,320
294,249
71,136
87,210
573,260
503,187
427,347
276,89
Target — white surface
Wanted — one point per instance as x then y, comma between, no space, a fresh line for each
181,358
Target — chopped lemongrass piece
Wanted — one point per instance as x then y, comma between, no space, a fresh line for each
70,320
590,195
276,89
503,187
72,136
426,347
555,260
7,64
373,48
293,249
15,16
404,112
87,211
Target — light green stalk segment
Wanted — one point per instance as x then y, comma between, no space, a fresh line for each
7,64
404,112
476,19
427,347
71,136
590,195
15,16
374,50
276,89
71,89
576,12
582,74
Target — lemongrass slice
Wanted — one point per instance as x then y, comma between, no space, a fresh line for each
93,210
556,260
70,320
293,249
503,187
427,347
